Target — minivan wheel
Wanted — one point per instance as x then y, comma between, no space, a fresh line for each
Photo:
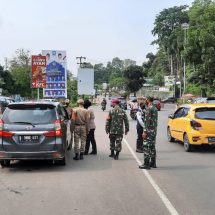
187,146
62,162
169,136
5,163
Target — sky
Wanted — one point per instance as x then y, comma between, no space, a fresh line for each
96,29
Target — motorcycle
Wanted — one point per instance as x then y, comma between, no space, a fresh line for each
133,114
103,107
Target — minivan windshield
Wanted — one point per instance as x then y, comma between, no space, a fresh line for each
29,114
205,113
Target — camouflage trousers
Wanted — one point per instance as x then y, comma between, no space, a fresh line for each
149,149
116,142
80,136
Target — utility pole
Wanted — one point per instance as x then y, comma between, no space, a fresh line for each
80,60
185,27
6,63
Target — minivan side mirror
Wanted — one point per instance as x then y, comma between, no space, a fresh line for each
171,116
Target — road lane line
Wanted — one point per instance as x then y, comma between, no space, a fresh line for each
160,193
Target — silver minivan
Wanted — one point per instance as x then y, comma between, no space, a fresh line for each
35,131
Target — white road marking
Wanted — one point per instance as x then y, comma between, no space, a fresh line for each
160,193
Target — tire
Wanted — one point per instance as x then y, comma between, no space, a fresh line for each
62,162
187,146
5,163
169,136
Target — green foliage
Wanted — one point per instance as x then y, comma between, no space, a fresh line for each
134,79
200,47
20,70
72,90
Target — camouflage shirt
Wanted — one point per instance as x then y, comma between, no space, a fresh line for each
115,120
151,121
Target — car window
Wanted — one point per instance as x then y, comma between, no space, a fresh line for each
62,113
179,113
205,113
186,111
30,114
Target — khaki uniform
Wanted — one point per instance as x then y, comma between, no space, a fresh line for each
80,118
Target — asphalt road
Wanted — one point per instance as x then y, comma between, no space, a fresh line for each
183,183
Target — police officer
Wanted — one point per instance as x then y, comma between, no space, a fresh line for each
140,126
80,118
149,133
115,123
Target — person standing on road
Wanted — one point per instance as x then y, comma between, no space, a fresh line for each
80,118
115,123
140,126
68,108
69,112
149,134
92,127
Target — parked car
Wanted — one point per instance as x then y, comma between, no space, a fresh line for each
192,124
208,100
157,104
211,100
34,131
169,100
200,100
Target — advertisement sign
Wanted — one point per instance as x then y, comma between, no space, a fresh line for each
86,81
38,65
169,81
56,74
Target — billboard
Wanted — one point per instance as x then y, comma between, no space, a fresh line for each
86,81
169,80
56,74
38,67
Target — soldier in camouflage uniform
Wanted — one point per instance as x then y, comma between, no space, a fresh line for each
149,134
115,122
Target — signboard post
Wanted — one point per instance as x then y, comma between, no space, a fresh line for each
38,66
56,73
38,71
86,81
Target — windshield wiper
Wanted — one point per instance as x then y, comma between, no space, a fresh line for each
209,118
28,123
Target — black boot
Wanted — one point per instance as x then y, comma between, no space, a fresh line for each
145,165
116,156
111,154
81,156
76,156
153,163
93,153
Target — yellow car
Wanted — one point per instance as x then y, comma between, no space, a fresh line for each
193,124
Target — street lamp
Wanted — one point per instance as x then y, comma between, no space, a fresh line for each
185,26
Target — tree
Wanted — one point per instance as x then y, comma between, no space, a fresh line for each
167,28
20,70
134,79
200,47
6,82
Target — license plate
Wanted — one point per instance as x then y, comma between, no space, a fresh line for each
211,139
28,138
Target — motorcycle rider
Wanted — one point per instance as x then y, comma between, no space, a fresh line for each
134,108
103,104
